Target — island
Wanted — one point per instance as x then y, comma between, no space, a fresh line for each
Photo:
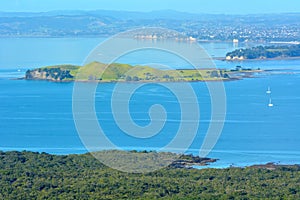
266,52
117,72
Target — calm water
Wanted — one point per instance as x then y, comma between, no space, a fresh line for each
37,115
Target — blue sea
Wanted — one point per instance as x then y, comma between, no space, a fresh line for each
37,115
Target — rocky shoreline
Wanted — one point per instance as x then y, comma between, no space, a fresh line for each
188,161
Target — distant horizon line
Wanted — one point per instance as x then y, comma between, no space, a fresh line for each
147,12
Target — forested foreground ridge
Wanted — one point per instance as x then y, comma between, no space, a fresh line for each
28,175
265,52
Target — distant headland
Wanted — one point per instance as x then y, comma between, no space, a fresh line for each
265,53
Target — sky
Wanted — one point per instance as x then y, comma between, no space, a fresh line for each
193,6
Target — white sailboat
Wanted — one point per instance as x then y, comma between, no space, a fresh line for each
269,90
270,103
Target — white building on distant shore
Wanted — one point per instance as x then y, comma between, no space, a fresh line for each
235,41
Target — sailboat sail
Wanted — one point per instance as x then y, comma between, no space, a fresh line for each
268,91
270,103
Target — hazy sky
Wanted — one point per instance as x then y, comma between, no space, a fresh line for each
195,6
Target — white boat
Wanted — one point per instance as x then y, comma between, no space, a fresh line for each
268,91
270,103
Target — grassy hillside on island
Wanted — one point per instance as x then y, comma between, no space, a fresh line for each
28,175
265,52
96,71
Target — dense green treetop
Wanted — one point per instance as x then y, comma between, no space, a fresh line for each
28,175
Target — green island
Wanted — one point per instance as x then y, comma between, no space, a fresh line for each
114,72
266,52
30,175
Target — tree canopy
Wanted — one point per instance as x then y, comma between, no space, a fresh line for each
28,175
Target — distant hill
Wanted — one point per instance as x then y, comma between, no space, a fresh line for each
103,23
125,15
